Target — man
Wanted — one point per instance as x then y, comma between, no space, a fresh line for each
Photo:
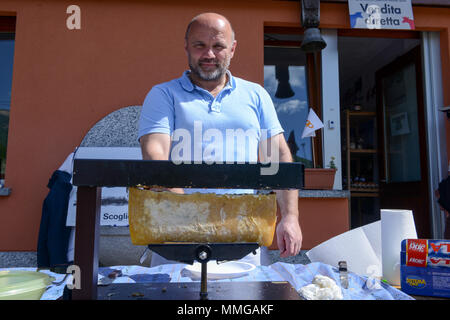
209,97
443,198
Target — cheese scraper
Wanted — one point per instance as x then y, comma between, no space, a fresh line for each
343,274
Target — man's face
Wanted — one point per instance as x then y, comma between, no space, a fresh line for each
209,51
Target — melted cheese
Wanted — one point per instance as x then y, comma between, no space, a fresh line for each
158,217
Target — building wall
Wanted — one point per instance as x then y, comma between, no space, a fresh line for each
65,80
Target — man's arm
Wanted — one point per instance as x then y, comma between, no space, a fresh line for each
156,146
289,234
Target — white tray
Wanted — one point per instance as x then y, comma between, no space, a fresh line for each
226,270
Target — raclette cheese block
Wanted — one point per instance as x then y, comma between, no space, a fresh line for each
159,217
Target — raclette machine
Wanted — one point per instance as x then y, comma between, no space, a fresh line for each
90,175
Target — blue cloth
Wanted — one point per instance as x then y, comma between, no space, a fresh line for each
299,275
359,287
53,240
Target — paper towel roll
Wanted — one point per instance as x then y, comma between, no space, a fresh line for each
396,225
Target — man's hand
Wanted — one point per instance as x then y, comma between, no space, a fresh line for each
174,190
156,146
289,233
289,236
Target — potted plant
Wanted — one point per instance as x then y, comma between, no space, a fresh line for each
321,178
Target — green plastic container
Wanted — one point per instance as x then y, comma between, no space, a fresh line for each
23,285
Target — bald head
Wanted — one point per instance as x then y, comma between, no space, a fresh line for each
209,45
212,21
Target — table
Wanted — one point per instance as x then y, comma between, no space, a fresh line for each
172,275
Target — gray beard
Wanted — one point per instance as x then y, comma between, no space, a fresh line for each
209,76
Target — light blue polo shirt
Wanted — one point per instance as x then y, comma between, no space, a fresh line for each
221,129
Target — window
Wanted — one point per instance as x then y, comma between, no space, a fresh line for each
289,78
6,67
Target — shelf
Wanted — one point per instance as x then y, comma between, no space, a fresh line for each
373,190
363,150
361,113
359,160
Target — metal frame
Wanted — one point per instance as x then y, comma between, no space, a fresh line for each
90,175
435,127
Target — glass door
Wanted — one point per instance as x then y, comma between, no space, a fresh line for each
403,162
401,139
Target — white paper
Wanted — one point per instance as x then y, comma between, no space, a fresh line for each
358,247
373,234
396,225
372,250
67,165
114,208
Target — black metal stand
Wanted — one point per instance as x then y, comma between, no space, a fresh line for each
89,175
204,252
204,282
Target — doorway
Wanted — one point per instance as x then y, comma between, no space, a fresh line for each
402,160
366,65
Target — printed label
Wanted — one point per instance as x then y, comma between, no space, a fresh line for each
381,14
416,282
439,261
416,252
437,246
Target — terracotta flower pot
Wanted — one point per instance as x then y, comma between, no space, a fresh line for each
318,178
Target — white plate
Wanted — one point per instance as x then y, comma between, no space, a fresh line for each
226,270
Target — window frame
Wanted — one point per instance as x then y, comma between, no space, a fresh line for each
7,32
313,77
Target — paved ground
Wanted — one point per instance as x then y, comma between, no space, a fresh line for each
18,259
29,259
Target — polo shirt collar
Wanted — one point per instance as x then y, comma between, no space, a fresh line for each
186,82
231,84
189,86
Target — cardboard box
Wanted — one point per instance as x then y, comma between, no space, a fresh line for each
425,267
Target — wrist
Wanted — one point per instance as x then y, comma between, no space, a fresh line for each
290,216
